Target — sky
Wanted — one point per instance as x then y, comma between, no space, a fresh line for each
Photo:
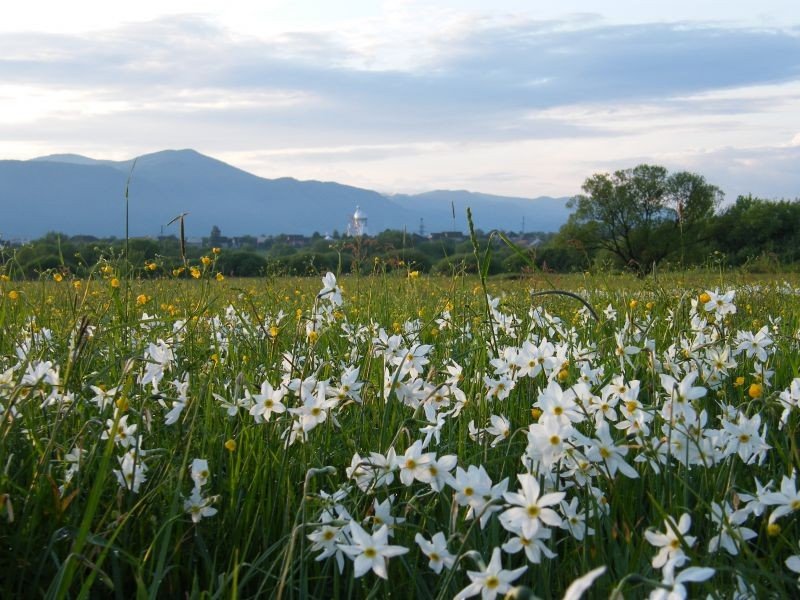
511,97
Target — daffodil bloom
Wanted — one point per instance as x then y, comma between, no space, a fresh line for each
436,551
200,472
669,543
787,499
199,507
673,588
490,582
529,508
370,552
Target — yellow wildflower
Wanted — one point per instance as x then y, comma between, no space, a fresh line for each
13,295
755,390
206,261
195,272
230,445
219,276
115,283
58,277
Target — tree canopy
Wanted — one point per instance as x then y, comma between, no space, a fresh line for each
643,214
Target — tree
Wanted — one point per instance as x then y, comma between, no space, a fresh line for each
640,215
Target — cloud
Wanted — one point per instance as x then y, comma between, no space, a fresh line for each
309,97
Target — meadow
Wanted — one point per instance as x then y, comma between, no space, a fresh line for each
398,435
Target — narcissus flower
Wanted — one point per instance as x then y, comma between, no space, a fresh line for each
370,552
490,582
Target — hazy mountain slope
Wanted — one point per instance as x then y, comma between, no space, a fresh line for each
75,194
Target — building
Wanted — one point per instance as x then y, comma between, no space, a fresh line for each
358,223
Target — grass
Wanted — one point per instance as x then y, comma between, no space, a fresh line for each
88,535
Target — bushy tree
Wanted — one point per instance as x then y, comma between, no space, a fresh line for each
641,215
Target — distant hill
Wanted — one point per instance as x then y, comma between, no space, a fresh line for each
75,194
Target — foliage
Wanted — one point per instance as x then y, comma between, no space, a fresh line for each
642,215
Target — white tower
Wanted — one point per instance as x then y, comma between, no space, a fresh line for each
358,223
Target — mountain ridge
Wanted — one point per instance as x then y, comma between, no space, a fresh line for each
76,194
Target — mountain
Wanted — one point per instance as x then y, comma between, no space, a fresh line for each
75,194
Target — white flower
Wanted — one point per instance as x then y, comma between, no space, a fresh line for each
474,489
199,507
745,440
529,508
603,450
131,474
267,402
200,472
437,472
793,564
500,428
124,434
490,582
327,539
330,290
721,304
414,463
436,551
674,588
669,542
370,551
534,546
382,514
787,500
754,345
731,533
175,413
583,583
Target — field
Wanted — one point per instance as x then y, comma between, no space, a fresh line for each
399,436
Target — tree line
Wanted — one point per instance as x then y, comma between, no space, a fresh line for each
634,219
